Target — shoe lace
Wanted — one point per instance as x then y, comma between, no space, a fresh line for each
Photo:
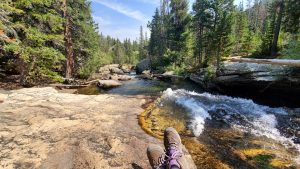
175,155
165,159
161,161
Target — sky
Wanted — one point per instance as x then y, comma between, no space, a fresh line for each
123,18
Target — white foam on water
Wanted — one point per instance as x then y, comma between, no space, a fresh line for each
192,106
198,113
265,125
260,120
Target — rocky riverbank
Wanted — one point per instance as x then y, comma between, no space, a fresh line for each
42,128
274,85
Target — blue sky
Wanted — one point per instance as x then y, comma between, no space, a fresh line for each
122,18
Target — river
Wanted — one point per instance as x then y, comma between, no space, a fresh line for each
219,131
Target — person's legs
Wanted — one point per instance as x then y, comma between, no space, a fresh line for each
156,156
174,151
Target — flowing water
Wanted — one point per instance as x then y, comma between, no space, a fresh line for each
227,132
140,87
220,131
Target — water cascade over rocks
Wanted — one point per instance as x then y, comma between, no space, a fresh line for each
236,114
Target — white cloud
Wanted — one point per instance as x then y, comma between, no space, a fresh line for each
154,2
135,14
100,21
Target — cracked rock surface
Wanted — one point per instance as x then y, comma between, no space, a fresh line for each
41,128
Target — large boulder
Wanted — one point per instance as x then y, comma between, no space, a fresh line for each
107,68
120,77
143,65
146,74
273,85
126,68
99,76
116,70
104,70
107,84
169,73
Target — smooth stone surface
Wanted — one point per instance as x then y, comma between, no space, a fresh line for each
107,84
41,128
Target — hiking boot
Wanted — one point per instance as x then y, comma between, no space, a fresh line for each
156,156
175,156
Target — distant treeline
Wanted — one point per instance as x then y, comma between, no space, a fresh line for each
216,29
46,40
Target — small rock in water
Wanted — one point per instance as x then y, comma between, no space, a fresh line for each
106,84
298,134
153,120
155,128
154,123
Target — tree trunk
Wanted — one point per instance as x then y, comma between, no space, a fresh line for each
23,71
218,59
200,45
68,42
277,29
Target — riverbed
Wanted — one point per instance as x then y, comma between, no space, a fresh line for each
218,130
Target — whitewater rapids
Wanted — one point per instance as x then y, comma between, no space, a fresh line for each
238,113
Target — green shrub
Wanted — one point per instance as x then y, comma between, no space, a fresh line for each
291,50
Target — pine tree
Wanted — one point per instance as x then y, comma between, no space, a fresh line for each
40,32
179,20
202,23
240,29
164,23
118,53
279,10
39,35
223,11
291,22
156,47
141,44
273,25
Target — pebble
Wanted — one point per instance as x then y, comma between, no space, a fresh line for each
153,120
155,128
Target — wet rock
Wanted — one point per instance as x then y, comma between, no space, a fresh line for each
154,123
145,75
273,85
155,128
298,134
124,78
120,77
107,84
168,73
146,72
154,120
